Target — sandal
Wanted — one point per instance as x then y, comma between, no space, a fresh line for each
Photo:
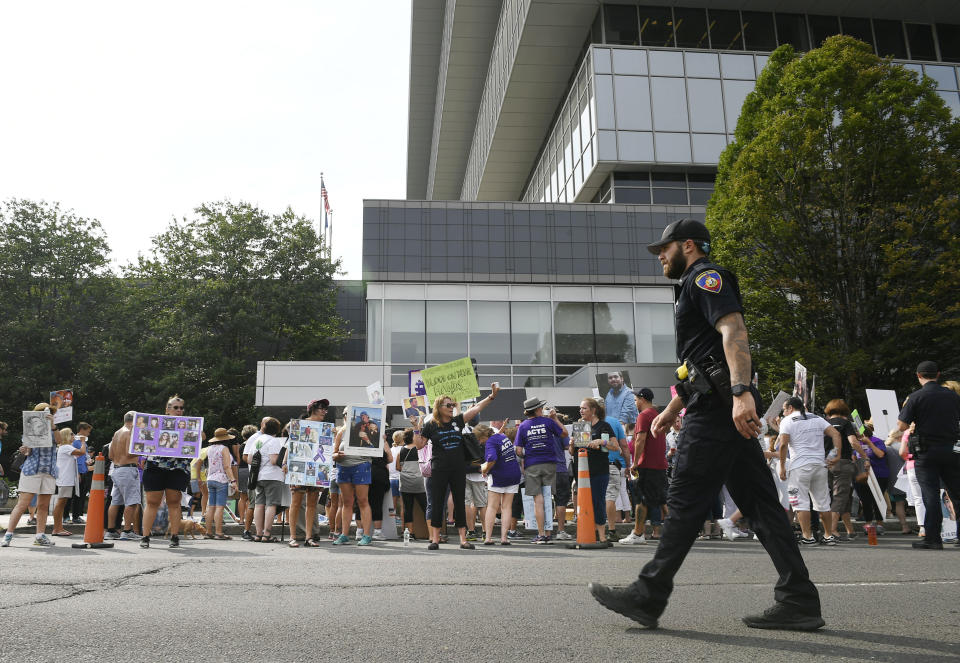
223,537
466,545
489,542
310,543
209,536
293,544
63,533
270,539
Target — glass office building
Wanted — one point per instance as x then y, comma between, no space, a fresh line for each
548,143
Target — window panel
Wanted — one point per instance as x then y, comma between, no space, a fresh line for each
705,97
666,63
607,145
615,338
404,331
944,76
702,64
655,333
635,145
822,27
890,38
633,103
629,61
952,101
758,31
669,196
656,26
725,32
628,196
374,330
601,60
734,94
949,37
920,40
672,148
792,29
446,331
490,332
858,28
699,196
691,28
620,23
707,147
736,66
573,325
531,333
669,104
605,118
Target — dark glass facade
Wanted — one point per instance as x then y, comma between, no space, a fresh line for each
352,307
516,242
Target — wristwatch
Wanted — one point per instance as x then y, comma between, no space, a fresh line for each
740,389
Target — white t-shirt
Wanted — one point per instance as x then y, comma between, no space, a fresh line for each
806,439
66,465
392,466
251,445
269,471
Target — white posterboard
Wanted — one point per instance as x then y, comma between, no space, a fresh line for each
875,491
775,408
884,411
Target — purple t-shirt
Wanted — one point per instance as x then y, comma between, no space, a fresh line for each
538,437
506,469
879,465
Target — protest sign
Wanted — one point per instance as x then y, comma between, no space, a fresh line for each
800,382
456,379
309,453
776,407
883,410
857,421
580,434
375,393
165,436
415,384
415,406
364,430
36,430
62,399
603,381
875,489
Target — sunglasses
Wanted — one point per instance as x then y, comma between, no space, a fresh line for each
176,407
447,405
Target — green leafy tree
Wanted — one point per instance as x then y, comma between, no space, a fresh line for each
836,205
219,292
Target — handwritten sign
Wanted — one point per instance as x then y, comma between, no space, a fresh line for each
858,422
456,379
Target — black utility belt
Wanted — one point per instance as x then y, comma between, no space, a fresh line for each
117,467
708,377
919,443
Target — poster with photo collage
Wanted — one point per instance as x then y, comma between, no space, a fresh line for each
309,453
166,436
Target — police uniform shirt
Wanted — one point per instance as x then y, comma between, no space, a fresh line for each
936,410
706,293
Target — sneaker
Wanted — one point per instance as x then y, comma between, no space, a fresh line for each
632,539
365,540
111,536
473,536
340,540
129,536
433,546
880,530
44,541
246,536
728,528
7,538
784,617
741,534
378,535
548,539
78,521
145,542
829,540
848,537
623,601
808,542
514,535
538,540
563,536
174,541
951,539
359,533
31,521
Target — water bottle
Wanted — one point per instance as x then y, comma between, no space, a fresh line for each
406,537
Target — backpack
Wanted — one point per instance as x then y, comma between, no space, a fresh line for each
255,461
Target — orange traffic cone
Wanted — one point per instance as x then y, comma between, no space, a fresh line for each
586,529
93,530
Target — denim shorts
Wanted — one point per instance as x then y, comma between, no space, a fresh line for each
217,493
395,487
357,475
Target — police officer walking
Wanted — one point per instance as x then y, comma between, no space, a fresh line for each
717,444
935,447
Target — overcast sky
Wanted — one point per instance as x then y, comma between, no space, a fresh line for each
136,112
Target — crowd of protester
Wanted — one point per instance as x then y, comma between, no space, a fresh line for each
461,472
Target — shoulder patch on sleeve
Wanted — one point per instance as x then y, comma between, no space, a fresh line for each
709,280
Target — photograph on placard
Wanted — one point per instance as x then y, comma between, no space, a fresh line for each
165,436
375,393
580,434
309,453
800,382
62,399
36,430
415,386
364,427
415,406
613,380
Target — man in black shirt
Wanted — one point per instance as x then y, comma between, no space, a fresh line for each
935,448
717,444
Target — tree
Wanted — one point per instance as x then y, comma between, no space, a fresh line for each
217,294
836,205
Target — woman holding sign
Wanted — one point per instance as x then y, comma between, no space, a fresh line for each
449,464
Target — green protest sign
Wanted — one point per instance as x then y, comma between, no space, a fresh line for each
858,422
456,379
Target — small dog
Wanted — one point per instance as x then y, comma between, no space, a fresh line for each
190,527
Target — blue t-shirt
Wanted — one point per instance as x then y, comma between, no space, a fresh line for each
506,469
538,437
615,456
81,460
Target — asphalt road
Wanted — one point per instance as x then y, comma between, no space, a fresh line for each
239,601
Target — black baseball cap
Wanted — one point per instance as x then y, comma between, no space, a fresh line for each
679,230
645,393
927,368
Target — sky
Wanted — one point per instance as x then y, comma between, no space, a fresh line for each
135,113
